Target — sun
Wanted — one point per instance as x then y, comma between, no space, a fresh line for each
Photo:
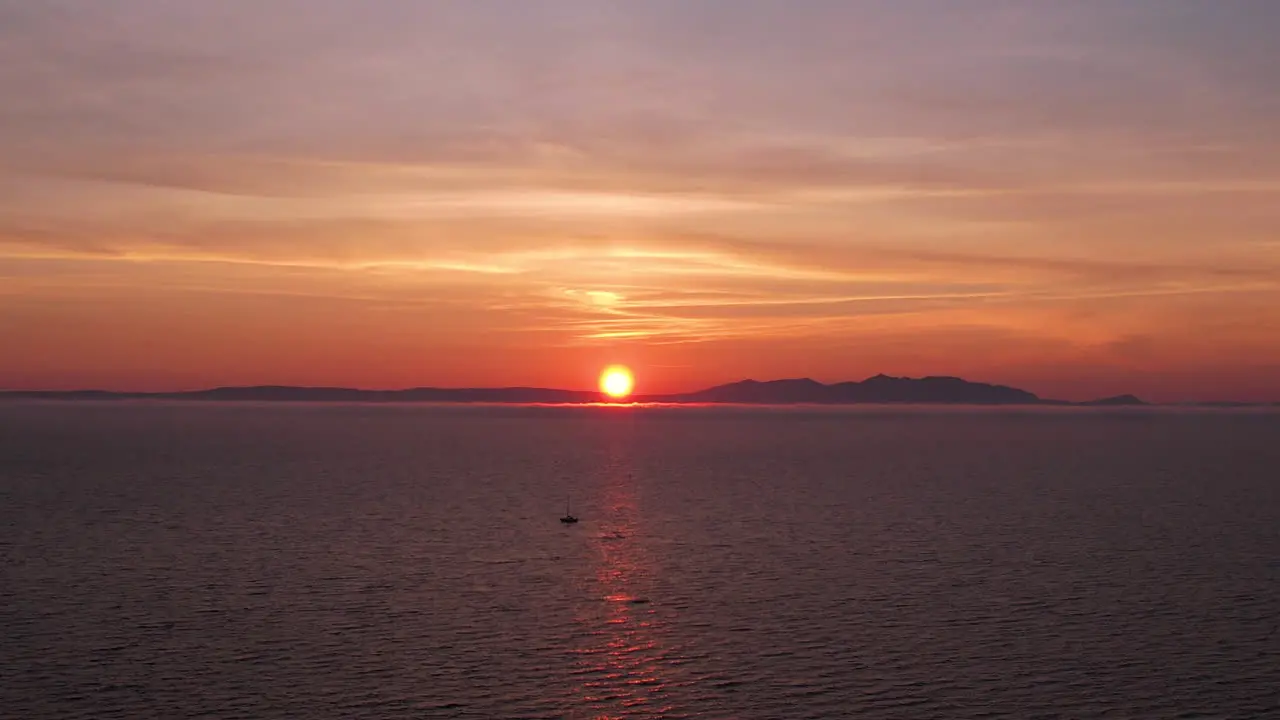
617,381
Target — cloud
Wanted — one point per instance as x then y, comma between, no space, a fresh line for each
606,173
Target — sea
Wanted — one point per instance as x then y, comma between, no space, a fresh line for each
240,560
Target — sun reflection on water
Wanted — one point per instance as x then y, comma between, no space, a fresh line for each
621,660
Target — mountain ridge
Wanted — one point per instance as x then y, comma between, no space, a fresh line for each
878,389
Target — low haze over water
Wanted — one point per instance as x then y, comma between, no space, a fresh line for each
358,561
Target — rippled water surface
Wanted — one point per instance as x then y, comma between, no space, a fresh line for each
282,561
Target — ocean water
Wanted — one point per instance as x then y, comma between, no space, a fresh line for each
348,561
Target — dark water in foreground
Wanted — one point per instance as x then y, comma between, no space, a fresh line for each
242,561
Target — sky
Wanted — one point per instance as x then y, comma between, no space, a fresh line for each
1080,199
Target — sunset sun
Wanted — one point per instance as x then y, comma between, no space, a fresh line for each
616,381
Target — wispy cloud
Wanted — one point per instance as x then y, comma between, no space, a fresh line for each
1076,183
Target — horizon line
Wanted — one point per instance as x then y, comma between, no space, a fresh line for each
740,381
597,398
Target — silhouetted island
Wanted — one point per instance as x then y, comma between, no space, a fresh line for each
878,389
1116,401
881,389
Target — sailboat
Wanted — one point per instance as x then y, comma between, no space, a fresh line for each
568,518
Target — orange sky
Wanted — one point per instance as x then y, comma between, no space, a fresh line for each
1080,200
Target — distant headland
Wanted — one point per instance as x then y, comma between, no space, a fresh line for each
877,390
880,389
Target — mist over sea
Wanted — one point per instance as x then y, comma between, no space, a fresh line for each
259,561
